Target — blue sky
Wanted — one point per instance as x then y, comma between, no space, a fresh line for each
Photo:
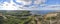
52,2
40,5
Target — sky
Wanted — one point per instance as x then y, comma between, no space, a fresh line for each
29,4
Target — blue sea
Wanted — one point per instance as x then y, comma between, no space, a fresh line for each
42,11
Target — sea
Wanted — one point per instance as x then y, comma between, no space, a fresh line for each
43,11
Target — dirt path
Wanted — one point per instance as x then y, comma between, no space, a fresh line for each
38,22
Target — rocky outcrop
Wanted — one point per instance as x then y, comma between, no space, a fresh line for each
54,17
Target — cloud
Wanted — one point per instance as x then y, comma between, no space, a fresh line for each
39,1
14,6
28,2
51,7
8,6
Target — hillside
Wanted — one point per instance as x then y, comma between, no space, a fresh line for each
26,17
53,17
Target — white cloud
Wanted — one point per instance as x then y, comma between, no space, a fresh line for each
40,1
51,7
28,2
9,6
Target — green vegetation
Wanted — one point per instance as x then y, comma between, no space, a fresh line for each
17,17
24,17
